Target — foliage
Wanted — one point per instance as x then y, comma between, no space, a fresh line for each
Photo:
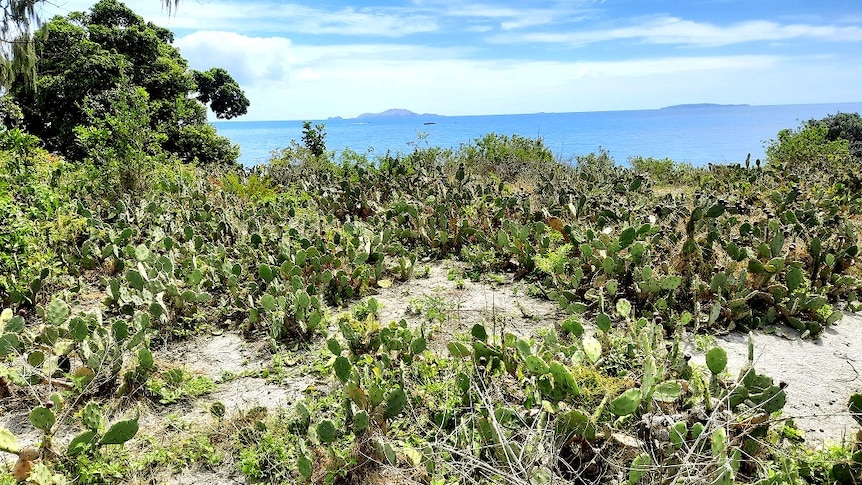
314,138
272,251
843,126
121,149
808,145
509,158
11,115
87,59
18,58
663,171
223,95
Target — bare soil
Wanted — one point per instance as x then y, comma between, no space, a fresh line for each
821,374
452,305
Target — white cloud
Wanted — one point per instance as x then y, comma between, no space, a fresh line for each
673,30
273,16
285,80
248,59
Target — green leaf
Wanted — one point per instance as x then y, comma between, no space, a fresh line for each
626,403
716,360
342,368
15,323
120,432
78,329
142,253
81,443
603,322
303,464
135,279
794,277
776,244
57,312
266,273
120,330
418,345
627,237
8,344
326,431
8,441
479,333
395,401
719,441
35,358
714,313
268,302
564,378
389,453
42,418
696,430
671,282
756,267
502,239
855,406
459,350
678,433
536,365
573,326
640,466
333,346
667,391
91,416
715,211
575,423
361,420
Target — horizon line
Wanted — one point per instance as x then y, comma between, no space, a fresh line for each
419,115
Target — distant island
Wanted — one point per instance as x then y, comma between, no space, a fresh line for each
704,105
389,114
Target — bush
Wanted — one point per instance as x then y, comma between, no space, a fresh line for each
507,157
809,145
120,147
663,170
844,126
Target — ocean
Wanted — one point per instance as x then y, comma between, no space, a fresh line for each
693,134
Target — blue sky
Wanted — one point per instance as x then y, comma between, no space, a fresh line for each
312,60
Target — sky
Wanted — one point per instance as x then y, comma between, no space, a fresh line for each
318,59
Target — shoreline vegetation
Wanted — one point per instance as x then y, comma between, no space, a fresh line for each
482,315
102,288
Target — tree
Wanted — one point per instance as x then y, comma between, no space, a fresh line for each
844,126
17,53
221,92
84,57
314,138
807,146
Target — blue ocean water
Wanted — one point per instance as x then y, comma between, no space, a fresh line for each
693,134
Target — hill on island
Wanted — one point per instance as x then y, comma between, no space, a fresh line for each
393,113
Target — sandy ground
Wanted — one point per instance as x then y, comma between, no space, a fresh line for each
821,374
499,303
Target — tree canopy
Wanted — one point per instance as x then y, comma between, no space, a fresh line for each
90,64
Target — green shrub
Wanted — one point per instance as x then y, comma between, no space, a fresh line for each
663,170
809,145
506,157
314,138
844,126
